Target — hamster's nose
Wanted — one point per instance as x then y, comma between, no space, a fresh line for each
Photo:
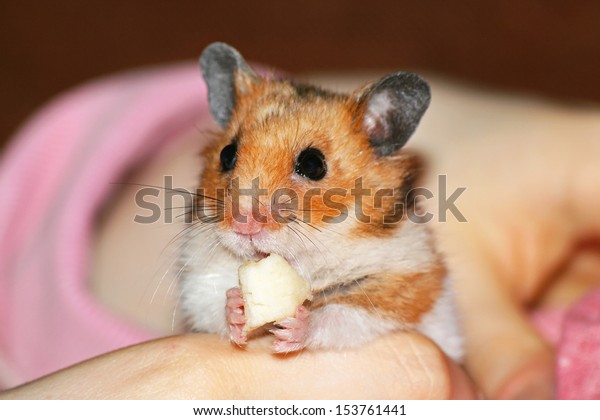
245,221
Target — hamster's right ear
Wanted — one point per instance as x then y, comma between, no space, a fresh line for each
390,110
226,74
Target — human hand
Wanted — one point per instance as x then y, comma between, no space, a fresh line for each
530,173
399,366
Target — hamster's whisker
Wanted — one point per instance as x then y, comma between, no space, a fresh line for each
173,317
304,234
186,264
186,213
177,190
162,278
294,218
174,239
309,224
146,291
323,249
213,246
180,249
319,246
304,210
328,227
289,200
183,232
298,235
205,131
197,227
194,212
260,203
301,220
293,256
203,217
195,207
210,248
198,230
170,289
176,208
369,299
170,262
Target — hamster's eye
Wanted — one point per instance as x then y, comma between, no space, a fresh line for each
311,164
228,157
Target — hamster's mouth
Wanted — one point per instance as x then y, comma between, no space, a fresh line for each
255,246
259,255
251,244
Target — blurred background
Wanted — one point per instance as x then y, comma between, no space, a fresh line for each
549,48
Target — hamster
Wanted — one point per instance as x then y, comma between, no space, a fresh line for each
322,179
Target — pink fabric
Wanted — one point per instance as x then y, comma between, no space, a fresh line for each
53,180
575,332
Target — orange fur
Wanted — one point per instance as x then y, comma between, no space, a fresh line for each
403,297
273,124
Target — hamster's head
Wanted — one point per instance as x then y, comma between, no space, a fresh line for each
297,169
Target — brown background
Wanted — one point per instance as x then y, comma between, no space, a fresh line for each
547,47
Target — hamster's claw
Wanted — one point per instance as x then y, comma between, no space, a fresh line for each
292,332
234,313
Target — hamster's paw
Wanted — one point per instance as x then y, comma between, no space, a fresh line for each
234,312
292,332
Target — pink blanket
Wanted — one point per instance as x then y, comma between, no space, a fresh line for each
55,177
575,333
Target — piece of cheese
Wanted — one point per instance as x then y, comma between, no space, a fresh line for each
272,290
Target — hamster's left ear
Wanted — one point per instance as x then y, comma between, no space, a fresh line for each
226,75
390,110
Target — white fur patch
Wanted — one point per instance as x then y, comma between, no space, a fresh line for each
380,105
209,272
442,326
340,326
344,256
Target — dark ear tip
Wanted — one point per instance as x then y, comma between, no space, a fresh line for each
217,48
408,82
420,83
217,51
